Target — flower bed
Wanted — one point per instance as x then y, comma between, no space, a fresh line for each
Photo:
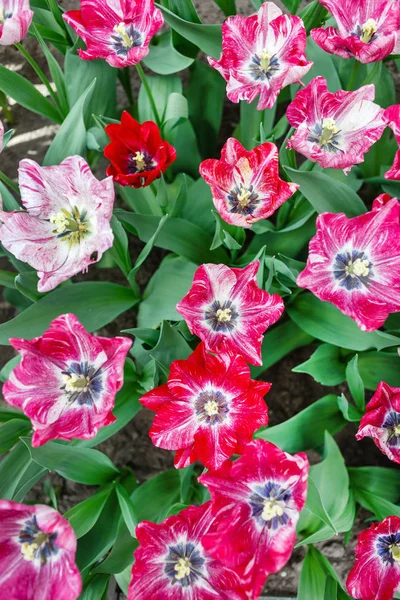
218,240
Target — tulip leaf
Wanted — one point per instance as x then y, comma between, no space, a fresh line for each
326,194
77,464
96,588
379,366
83,516
295,434
325,322
355,383
228,7
325,365
71,137
26,95
12,469
103,302
11,431
164,59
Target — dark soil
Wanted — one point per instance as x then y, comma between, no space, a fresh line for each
132,447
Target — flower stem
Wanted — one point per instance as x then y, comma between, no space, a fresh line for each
150,96
353,76
8,182
40,74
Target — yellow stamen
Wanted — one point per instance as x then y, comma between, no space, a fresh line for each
211,408
397,430
329,129
127,41
182,568
359,268
272,508
369,28
139,158
60,221
243,197
75,383
2,15
28,550
224,314
265,59
396,552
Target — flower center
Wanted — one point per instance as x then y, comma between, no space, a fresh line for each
358,268
224,315
395,550
369,29
140,160
4,15
74,382
127,41
265,59
35,543
397,430
272,508
70,226
329,130
211,408
244,196
182,568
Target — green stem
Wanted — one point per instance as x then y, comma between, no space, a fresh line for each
6,110
150,96
41,75
353,76
9,183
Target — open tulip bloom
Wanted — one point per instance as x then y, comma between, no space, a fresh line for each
335,130
172,564
367,30
381,421
355,264
118,31
376,573
137,153
227,310
262,54
65,224
256,500
15,19
245,185
37,554
67,380
208,410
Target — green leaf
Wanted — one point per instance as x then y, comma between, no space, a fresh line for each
11,431
83,516
96,588
315,505
296,435
147,249
325,322
103,303
25,94
7,414
177,235
156,495
351,413
206,37
171,346
12,469
7,279
164,59
142,201
375,367
313,15
325,366
228,7
161,88
7,137
379,506
77,464
324,65
71,137
127,508
327,195
81,74
381,481
120,248
32,474
355,383
278,342
312,577
199,206
169,284
26,283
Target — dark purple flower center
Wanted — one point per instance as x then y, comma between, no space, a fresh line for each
388,547
184,563
392,424
353,269
140,162
211,407
367,32
326,135
124,38
83,383
243,200
35,543
221,316
263,66
269,504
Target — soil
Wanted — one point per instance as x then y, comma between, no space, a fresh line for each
132,447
